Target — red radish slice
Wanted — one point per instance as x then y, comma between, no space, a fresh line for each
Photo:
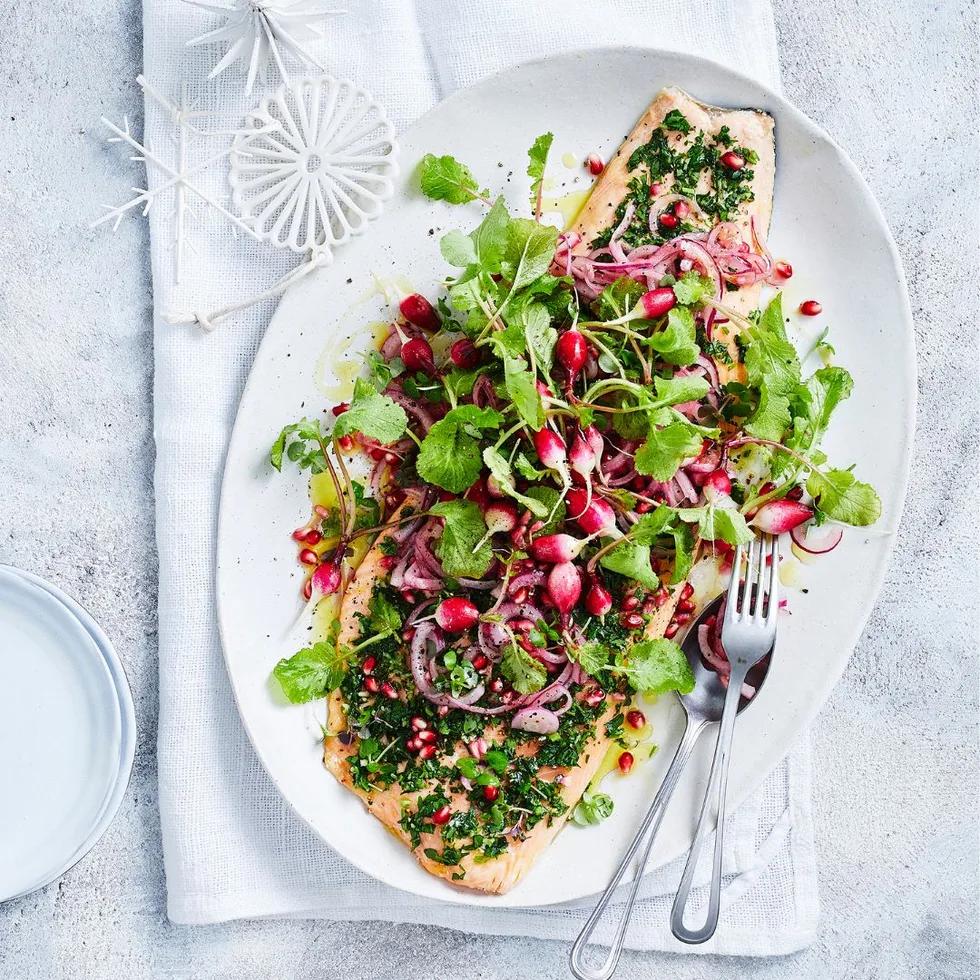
816,541
779,516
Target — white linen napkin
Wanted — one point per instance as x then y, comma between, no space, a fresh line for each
232,847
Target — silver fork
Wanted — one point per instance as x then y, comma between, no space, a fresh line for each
748,632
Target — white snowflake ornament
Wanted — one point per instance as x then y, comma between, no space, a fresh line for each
258,32
317,167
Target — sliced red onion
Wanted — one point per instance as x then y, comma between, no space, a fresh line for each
417,612
419,657
477,585
711,368
686,487
424,418
529,580
415,578
816,541
538,721
623,479
553,692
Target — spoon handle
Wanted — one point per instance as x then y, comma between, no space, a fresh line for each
717,790
644,839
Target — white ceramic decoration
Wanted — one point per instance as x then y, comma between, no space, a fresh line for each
260,32
319,167
67,732
825,221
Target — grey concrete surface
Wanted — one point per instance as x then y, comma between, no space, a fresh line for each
896,746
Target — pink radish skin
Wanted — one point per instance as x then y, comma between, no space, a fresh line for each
779,516
565,586
572,351
598,600
657,302
557,548
551,450
581,456
820,542
592,517
594,438
326,578
419,312
717,484
457,615
417,355
501,518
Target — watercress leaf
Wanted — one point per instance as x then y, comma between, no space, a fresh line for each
591,657
771,417
723,524
483,418
676,342
500,469
539,335
525,674
372,414
841,497
275,454
463,528
311,673
530,251
509,342
551,499
537,161
658,666
446,179
683,552
633,561
652,524
592,809
691,288
665,449
522,388
618,298
527,469
490,238
450,455
676,391
458,249
770,358
814,403
385,619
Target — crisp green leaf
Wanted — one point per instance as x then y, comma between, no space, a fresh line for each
490,238
311,673
813,404
770,359
658,666
633,561
527,469
618,298
372,414
500,469
723,524
677,391
591,657
458,249
665,449
771,417
691,288
592,809
551,499
525,673
463,529
676,121
840,497
651,525
530,251
540,336
385,619
537,161
450,453
522,388
676,343
275,454
446,179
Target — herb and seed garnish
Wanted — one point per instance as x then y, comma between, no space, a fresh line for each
552,443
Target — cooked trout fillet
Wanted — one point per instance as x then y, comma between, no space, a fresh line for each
752,130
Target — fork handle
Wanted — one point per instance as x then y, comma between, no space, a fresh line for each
717,791
642,842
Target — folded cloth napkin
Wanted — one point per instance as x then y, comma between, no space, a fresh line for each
232,847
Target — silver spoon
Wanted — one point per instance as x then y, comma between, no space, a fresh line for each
702,707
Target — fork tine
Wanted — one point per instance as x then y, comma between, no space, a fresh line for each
749,572
773,583
762,586
731,605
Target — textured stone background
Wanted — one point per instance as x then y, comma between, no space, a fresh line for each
896,746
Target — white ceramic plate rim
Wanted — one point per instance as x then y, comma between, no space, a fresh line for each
898,479
127,712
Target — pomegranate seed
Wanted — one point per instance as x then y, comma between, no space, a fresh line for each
632,621
418,723
490,793
388,690
519,595
442,816
625,762
308,589
636,719
682,618
408,595
668,220
477,748
479,662
656,189
643,507
732,160
368,665
783,270
795,494
811,308
371,685
507,697
313,536
685,606
427,736
417,356
346,443
442,710
594,162
496,685
464,353
660,597
687,591
671,631
649,606
339,410
300,533
411,744
309,557
427,751
594,697
682,209
419,312
630,603
388,562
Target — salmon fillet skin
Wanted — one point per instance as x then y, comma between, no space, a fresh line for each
440,786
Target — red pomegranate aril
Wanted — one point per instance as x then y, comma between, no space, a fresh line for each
636,719
656,190
479,662
625,762
371,685
368,665
388,562
388,690
660,597
682,618
418,723
339,410
795,494
308,589
594,162
496,685
427,736
671,631
732,160
687,591
408,595
811,308
643,507
427,751
490,793
594,696
442,710
441,816
783,270
300,534
464,353
632,621
668,220
630,603
685,606
417,355
346,443
419,312
519,595
411,744
682,209
309,557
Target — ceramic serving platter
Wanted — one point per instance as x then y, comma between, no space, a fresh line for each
826,223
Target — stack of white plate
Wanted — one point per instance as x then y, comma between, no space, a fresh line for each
67,732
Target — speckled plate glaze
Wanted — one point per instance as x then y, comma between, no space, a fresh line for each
825,221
